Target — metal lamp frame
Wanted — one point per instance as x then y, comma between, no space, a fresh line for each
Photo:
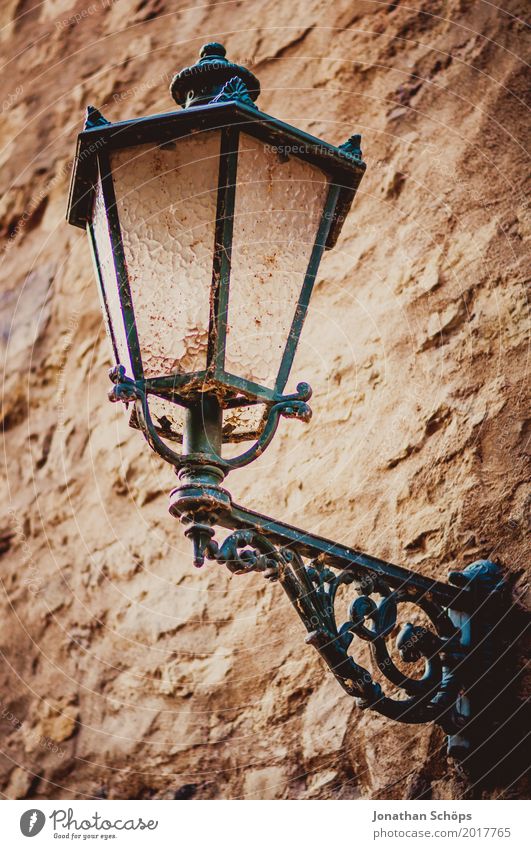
343,167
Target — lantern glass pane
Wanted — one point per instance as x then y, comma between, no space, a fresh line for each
167,417
167,198
278,209
240,422
112,309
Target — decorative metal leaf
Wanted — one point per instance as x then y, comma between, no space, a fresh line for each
235,90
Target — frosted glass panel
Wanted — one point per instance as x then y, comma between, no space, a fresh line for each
167,199
167,417
105,258
278,210
239,422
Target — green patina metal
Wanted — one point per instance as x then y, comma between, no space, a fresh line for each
205,81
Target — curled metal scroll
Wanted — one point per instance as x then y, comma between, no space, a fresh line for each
312,589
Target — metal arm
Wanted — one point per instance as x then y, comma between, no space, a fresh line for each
455,653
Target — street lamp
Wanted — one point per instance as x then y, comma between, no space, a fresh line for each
207,227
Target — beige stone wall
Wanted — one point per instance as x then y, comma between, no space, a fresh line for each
124,671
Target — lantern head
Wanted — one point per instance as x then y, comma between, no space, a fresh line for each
207,227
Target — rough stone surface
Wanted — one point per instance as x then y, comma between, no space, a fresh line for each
125,673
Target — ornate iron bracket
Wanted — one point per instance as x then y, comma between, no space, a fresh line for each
453,645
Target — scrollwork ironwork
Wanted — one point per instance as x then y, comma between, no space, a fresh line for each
312,589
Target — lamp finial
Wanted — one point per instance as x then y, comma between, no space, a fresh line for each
203,82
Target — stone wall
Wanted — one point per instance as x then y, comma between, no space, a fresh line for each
125,672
